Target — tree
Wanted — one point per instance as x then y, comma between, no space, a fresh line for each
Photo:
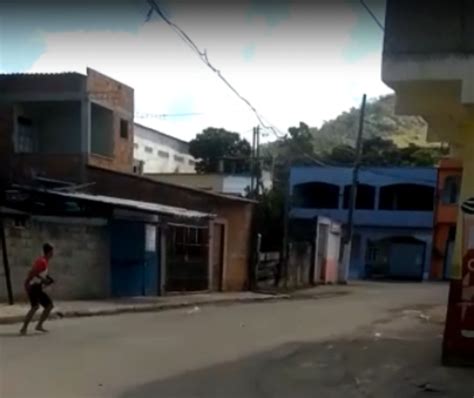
378,151
216,144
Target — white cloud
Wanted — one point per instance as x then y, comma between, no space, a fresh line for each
298,73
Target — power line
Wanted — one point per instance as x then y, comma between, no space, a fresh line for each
371,13
147,115
204,58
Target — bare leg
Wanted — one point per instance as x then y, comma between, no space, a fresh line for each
29,316
43,318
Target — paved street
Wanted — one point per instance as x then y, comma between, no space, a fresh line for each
381,341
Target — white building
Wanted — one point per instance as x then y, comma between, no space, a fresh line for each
156,152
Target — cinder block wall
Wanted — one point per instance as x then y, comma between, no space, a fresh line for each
81,265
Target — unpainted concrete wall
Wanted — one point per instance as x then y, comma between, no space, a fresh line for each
429,27
81,265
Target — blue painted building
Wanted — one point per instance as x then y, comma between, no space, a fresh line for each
393,220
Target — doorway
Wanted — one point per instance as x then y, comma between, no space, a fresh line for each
134,259
321,253
448,255
218,246
187,258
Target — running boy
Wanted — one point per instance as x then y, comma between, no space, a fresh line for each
35,281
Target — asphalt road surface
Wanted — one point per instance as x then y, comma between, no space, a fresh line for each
299,348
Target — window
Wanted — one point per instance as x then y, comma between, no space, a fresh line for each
102,131
19,222
178,159
404,197
148,149
163,154
450,193
25,135
192,162
316,195
123,128
138,167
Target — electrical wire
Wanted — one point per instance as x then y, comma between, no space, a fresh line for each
147,115
205,59
371,13
268,126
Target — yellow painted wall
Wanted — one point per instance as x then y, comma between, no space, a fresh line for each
466,153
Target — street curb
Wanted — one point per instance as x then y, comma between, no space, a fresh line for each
159,307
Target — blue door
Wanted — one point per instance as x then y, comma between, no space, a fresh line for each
406,260
134,262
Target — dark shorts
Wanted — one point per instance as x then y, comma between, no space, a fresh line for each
38,297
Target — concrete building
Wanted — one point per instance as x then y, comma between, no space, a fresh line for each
156,152
314,251
429,61
445,218
393,217
231,184
72,130
57,124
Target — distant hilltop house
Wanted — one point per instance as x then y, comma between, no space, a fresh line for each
157,152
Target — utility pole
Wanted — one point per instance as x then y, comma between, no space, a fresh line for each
258,170
252,164
347,241
284,257
6,265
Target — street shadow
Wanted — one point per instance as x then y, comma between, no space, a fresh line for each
16,334
338,368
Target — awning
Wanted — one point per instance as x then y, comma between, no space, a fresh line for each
134,204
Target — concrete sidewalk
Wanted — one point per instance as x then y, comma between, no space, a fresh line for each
82,308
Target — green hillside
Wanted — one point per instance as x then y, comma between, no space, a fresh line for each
380,121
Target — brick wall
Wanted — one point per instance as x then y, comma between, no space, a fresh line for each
239,222
56,166
81,263
114,95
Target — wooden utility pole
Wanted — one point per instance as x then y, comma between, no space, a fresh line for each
258,170
6,265
347,241
284,257
252,164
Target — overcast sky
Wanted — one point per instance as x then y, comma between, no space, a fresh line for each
295,61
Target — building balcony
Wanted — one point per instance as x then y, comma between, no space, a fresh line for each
376,218
428,60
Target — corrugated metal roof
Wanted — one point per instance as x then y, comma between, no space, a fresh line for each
136,205
41,74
